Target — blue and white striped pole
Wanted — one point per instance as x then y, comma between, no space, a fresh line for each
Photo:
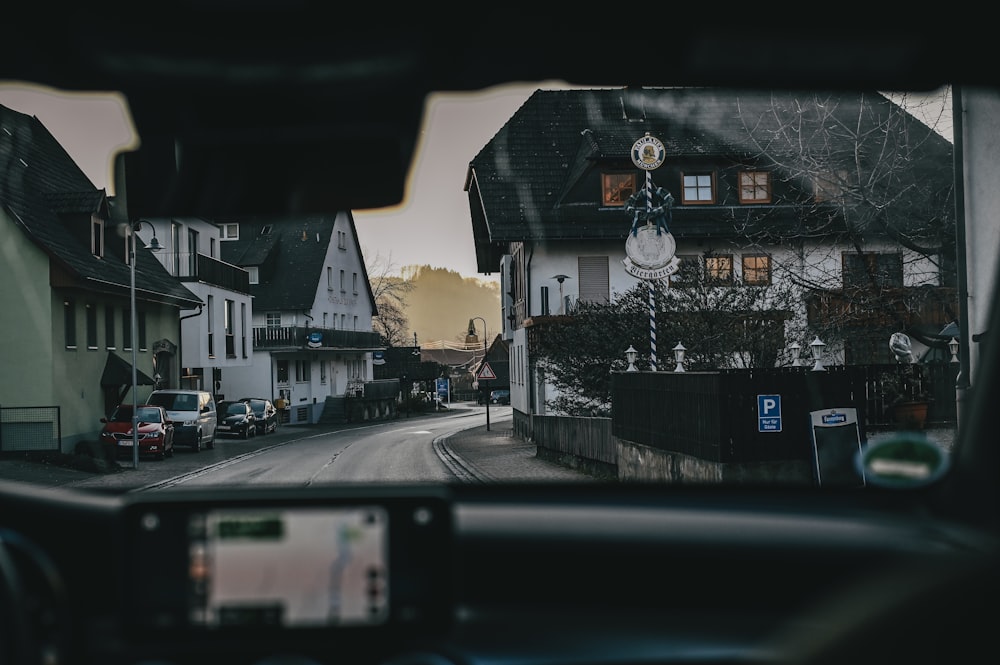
652,289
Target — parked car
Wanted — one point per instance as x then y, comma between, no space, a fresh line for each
156,431
500,396
237,419
194,415
265,413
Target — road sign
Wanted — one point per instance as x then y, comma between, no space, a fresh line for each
768,413
486,372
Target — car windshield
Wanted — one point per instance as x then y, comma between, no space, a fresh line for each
760,282
236,408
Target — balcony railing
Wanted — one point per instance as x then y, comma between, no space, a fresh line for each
314,338
190,267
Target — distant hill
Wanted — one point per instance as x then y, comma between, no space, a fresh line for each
442,302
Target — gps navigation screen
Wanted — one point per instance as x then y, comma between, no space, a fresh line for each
298,567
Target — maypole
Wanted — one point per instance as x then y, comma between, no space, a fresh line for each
649,249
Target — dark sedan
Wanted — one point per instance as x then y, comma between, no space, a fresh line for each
236,419
265,413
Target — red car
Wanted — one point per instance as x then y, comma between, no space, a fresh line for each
156,431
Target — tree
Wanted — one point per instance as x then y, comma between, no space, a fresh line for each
721,327
865,172
390,294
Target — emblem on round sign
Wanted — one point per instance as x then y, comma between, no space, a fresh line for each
648,153
649,249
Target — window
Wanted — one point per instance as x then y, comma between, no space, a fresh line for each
141,325
755,187
230,231
175,243
91,310
281,371
229,319
830,185
127,330
329,278
341,240
343,322
688,270
301,371
192,253
243,327
719,269
322,372
97,236
211,326
617,188
273,320
355,322
342,289
545,301
109,326
873,270
756,270
211,248
355,283
594,282
69,322
698,188
253,274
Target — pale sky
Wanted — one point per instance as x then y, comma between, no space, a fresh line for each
432,227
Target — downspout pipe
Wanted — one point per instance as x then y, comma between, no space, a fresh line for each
962,383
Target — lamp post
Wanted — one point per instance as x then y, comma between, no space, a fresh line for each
154,246
562,301
795,349
630,355
484,360
679,357
816,347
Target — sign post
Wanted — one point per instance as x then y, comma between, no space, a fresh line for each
486,374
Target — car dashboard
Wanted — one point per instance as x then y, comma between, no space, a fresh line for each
506,574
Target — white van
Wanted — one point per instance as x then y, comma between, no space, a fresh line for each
193,414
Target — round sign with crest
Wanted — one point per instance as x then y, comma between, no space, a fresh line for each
648,153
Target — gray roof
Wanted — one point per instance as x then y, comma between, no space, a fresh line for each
521,183
49,197
290,252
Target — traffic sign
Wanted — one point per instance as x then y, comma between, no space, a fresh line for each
486,372
768,413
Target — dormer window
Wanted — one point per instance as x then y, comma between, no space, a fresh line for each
617,188
230,231
755,187
97,237
698,188
266,230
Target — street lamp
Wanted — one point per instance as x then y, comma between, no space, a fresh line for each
154,246
484,360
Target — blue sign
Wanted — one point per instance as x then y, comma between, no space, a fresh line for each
315,339
442,388
834,418
768,413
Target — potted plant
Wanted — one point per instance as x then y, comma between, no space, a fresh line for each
905,397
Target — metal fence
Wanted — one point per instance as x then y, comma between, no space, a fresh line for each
714,415
30,429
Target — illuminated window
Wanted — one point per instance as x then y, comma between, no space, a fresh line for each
719,269
617,188
757,270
